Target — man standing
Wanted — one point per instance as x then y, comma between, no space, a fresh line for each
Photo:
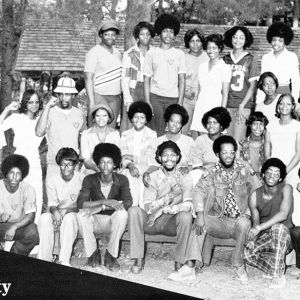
103,203
221,200
102,70
17,206
164,72
167,208
271,208
61,123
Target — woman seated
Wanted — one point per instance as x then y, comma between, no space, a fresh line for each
252,147
268,83
100,132
215,122
138,146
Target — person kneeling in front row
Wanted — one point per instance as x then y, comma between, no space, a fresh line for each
17,206
103,203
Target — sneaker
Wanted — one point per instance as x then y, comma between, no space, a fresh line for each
184,273
241,274
138,266
111,262
94,259
278,282
295,272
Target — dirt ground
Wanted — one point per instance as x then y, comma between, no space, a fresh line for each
214,282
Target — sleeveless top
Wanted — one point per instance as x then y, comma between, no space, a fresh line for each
267,209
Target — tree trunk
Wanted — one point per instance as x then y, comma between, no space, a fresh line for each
12,21
136,11
296,14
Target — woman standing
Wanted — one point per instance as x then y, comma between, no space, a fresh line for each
100,132
194,41
132,79
282,140
26,141
213,78
280,61
268,83
138,146
245,72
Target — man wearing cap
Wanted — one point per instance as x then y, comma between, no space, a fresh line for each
17,206
61,122
102,70
164,72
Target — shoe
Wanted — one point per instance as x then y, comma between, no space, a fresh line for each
295,272
138,266
94,259
184,273
111,262
278,282
241,274
177,266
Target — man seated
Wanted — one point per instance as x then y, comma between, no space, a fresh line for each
17,206
221,200
62,192
103,203
271,208
167,208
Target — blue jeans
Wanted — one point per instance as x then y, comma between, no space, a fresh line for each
226,228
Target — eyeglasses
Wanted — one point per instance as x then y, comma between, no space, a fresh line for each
276,175
68,165
231,153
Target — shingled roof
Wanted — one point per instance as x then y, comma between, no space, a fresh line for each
54,46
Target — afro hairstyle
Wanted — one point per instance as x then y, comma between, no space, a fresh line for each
256,116
281,30
232,31
67,154
166,21
167,145
107,150
15,161
190,34
224,139
263,76
178,110
219,113
137,29
140,107
274,162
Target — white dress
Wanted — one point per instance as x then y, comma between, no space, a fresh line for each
283,140
210,95
27,144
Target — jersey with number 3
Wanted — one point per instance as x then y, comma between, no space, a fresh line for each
244,71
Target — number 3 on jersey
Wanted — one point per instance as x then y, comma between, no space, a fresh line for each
237,80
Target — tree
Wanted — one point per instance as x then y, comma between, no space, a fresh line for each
12,24
136,11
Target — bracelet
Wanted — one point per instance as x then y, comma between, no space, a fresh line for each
103,207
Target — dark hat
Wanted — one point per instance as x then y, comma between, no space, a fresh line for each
166,21
109,24
282,30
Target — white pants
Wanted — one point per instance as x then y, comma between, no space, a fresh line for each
67,234
114,224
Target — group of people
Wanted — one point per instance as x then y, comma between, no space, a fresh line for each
197,156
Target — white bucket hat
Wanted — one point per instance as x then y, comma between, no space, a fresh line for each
66,85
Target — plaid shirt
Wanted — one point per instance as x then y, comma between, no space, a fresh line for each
132,66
